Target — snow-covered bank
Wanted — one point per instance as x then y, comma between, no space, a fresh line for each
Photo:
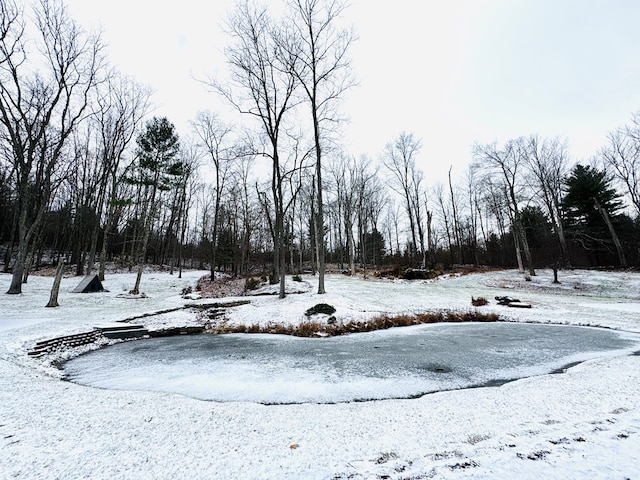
581,424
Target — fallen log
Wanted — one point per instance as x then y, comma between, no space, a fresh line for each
512,302
506,300
518,305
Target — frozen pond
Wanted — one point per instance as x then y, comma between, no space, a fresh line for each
398,363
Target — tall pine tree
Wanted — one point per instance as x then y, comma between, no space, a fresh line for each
157,170
591,209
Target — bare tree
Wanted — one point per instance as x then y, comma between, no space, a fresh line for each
393,224
44,94
248,216
215,140
370,201
622,157
475,219
122,104
400,161
186,188
87,189
455,217
547,160
504,166
337,169
353,182
262,72
320,47
445,216
496,206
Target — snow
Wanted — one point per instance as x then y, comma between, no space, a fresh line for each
584,423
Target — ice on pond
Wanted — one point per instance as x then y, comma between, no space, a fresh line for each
397,363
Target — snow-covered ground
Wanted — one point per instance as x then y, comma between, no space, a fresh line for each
584,423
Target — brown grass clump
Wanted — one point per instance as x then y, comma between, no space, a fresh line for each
479,302
309,329
314,328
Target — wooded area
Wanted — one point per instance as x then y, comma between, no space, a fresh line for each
86,177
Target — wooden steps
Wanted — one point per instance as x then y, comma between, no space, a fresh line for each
124,331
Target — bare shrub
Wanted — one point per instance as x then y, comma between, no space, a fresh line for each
309,329
251,283
255,328
479,302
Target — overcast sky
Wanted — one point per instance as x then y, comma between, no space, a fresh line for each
452,72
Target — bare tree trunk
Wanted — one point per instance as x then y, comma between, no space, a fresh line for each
140,255
93,250
456,223
27,265
183,230
53,299
562,240
614,236
16,278
10,243
107,228
516,241
279,258
136,288
320,238
430,246
525,247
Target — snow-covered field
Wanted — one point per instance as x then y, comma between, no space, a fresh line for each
584,423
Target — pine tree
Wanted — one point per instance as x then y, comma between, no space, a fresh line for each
157,170
591,207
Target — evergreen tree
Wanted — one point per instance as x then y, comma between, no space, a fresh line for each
157,170
591,209
539,232
373,248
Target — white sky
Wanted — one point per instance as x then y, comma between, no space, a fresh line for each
452,72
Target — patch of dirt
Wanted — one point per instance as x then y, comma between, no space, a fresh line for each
220,287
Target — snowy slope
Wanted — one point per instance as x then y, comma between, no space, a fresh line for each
584,423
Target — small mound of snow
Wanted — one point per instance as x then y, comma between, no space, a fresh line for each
192,296
289,287
132,295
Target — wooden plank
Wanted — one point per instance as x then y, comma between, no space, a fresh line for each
519,305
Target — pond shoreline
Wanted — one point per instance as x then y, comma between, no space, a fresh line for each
378,366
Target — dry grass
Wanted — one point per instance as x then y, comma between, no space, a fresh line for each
479,302
314,328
